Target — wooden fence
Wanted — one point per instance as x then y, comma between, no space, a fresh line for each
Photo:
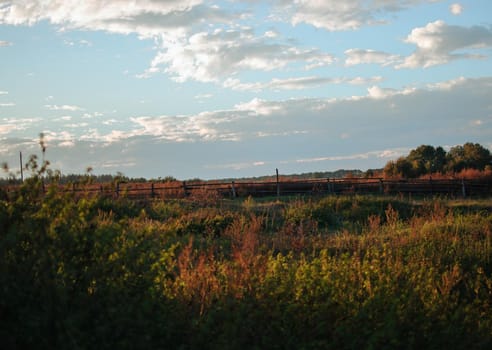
233,189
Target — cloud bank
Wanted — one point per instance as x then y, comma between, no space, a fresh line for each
253,131
199,41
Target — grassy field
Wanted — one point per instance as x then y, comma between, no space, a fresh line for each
332,272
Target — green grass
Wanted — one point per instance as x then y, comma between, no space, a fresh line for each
335,272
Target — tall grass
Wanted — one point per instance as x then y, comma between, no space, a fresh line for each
338,272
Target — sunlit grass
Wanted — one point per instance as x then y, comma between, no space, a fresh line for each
301,272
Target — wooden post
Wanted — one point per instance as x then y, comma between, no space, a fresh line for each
463,189
21,167
233,190
152,192
381,189
117,189
329,185
184,188
278,184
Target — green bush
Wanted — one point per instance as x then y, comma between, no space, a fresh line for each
360,272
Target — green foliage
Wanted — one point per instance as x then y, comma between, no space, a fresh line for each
468,156
426,159
353,272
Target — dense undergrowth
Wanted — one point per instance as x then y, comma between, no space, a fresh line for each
337,272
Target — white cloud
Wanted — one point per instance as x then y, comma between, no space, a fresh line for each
62,139
336,15
338,158
203,96
448,85
110,122
93,115
76,125
381,93
238,166
393,153
8,104
72,108
201,127
4,43
8,125
195,40
7,128
208,57
4,92
456,9
310,132
299,83
123,16
283,133
362,56
258,107
282,118
439,43
385,154
117,164
168,22
364,81
69,42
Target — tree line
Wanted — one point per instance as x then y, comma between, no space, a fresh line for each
426,160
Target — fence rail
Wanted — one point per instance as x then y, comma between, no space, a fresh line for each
232,189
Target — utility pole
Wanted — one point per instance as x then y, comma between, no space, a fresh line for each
21,167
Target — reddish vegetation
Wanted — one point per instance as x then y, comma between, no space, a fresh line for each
467,174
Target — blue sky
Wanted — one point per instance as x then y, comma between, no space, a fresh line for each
216,89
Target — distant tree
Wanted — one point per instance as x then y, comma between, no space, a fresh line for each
389,169
402,167
369,173
468,156
426,159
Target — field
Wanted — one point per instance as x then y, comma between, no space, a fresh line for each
325,272
285,186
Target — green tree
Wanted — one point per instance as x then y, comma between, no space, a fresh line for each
426,159
468,156
402,167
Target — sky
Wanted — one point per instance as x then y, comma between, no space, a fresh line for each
237,88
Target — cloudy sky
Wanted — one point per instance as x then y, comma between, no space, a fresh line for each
233,88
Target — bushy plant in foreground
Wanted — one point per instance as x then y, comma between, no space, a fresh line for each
338,272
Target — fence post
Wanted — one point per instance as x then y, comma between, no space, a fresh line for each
184,188
328,186
278,184
21,167
152,193
117,189
463,189
381,188
233,190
